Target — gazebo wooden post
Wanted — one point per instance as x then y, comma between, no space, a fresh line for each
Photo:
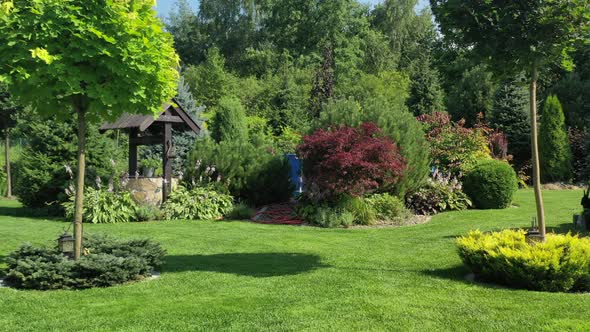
172,116
132,152
167,156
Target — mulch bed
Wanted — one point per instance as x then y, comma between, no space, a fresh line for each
279,214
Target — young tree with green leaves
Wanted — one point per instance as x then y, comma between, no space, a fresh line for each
518,36
555,152
90,59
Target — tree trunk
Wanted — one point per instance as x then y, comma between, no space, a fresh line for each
535,154
7,159
80,182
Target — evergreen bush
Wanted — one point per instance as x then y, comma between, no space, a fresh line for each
109,262
241,211
510,115
229,122
554,151
491,184
40,176
560,264
251,172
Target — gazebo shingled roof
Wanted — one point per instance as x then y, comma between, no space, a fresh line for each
143,122
172,116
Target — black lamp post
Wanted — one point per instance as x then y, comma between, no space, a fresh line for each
66,244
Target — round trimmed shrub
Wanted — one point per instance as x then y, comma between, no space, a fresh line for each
560,264
491,184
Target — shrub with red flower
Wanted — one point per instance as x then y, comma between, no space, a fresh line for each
350,160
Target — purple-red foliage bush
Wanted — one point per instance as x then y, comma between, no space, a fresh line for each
350,160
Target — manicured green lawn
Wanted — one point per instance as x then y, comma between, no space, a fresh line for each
243,276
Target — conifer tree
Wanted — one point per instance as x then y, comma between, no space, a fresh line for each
510,116
554,148
229,122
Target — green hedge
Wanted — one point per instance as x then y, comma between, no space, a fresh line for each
560,264
491,184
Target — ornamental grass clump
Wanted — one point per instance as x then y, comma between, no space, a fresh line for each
560,264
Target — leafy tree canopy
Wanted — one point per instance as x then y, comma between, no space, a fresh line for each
513,35
107,56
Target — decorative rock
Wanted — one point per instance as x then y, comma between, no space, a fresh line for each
148,191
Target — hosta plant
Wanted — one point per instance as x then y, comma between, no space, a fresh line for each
442,192
198,203
104,206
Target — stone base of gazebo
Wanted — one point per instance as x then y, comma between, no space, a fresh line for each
148,191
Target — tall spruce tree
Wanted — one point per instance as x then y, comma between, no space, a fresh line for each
510,116
426,94
556,156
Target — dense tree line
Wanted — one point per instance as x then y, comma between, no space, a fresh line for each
284,60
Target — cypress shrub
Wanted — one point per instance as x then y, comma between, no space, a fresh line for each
229,122
491,184
554,151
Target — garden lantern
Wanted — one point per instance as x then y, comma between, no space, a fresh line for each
533,234
66,244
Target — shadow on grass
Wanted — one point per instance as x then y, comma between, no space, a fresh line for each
23,212
260,265
461,273
567,227
456,273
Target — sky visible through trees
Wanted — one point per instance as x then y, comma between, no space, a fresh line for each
164,6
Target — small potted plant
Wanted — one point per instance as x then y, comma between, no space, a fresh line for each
149,165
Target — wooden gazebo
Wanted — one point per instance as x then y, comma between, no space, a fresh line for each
149,130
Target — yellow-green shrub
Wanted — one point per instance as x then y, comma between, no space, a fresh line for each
560,264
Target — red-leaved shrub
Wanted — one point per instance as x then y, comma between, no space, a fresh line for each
350,160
